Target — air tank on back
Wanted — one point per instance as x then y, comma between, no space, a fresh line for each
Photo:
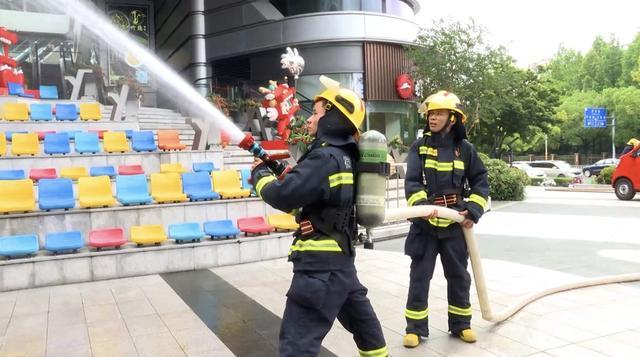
373,170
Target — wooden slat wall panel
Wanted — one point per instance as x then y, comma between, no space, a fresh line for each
383,62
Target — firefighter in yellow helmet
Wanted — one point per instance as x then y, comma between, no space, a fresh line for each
325,284
632,143
443,168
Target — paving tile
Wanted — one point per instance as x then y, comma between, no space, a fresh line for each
144,325
127,293
183,320
59,337
576,351
528,336
97,297
621,344
157,344
65,317
69,351
65,302
106,330
502,346
121,347
194,341
133,308
101,312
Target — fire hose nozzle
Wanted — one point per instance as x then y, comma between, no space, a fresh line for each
249,144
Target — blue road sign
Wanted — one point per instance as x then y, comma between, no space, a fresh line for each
595,117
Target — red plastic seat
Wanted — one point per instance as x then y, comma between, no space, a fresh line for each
130,170
41,134
106,237
4,91
46,173
99,131
254,225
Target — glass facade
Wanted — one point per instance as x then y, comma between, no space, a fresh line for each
394,119
297,7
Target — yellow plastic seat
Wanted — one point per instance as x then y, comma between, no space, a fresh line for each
148,234
90,111
25,144
167,187
95,192
17,196
115,141
177,168
283,221
15,111
74,173
3,144
228,185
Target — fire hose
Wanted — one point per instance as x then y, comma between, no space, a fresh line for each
399,214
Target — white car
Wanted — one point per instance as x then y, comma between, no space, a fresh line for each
556,168
532,172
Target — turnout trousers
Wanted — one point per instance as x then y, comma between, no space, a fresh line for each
454,257
315,299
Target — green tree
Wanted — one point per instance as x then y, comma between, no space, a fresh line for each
564,71
602,65
630,63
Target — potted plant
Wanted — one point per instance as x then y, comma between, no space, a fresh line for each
299,138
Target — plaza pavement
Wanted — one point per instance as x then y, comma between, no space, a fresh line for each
549,239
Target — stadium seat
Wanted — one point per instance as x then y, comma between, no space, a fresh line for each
254,225
17,196
46,173
3,144
42,134
130,170
128,132
67,112
114,141
19,246
55,194
177,168
18,89
169,140
221,229
132,190
4,91
63,242
49,92
41,112
57,143
283,221
25,144
72,133
203,167
95,192
90,111
100,132
87,142
102,171
188,231
167,187
227,184
148,234
12,175
106,237
197,186
245,176
9,134
143,141
15,111
74,173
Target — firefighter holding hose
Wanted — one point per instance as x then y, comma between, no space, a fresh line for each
442,169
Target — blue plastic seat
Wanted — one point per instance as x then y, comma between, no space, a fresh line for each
41,112
71,133
188,231
197,186
143,141
56,143
18,89
9,134
132,190
128,133
12,175
19,246
87,142
103,171
206,166
55,194
245,174
66,112
63,241
49,92
221,229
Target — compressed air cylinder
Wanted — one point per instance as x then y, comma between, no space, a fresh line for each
372,176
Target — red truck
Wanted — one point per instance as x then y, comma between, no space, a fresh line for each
626,178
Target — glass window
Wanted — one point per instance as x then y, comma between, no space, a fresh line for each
12,5
309,86
399,8
372,5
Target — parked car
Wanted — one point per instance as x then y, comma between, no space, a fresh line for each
595,169
532,172
555,168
